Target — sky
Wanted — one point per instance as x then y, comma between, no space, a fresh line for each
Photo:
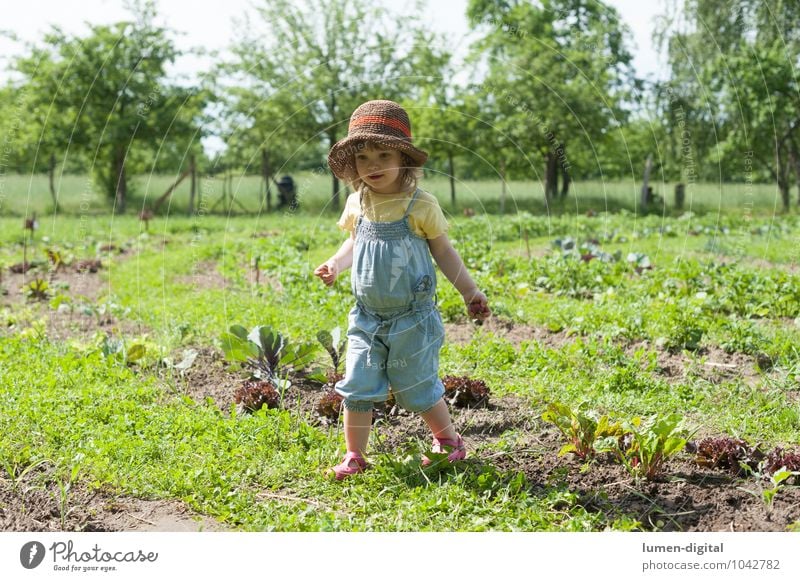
212,25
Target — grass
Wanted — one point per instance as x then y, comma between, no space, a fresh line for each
102,423
78,195
124,432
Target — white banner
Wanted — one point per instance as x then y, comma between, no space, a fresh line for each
346,556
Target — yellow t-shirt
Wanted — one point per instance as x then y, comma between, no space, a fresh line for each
426,218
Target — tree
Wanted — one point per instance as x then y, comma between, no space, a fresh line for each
558,76
734,77
319,60
440,124
106,94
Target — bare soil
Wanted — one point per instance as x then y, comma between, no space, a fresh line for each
65,323
35,502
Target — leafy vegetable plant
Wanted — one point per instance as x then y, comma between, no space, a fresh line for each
647,444
727,453
38,289
461,391
587,434
335,347
253,395
265,351
330,405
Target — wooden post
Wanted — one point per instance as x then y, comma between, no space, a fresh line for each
646,182
192,190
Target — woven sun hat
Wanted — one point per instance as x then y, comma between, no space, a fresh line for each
381,122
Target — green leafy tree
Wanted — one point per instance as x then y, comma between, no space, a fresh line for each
733,82
558,75
106,95
315,63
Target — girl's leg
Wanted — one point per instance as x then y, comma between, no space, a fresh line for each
357,426
438,420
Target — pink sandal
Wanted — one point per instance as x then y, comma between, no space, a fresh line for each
343,470
459,450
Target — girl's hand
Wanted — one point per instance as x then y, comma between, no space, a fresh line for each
327,271
477,305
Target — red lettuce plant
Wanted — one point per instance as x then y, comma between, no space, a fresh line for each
461,391
728,454
252,395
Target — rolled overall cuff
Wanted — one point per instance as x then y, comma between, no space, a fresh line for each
358,405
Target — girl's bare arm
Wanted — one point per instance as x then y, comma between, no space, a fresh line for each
453,268
338,263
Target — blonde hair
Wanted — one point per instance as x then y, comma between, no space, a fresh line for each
410,172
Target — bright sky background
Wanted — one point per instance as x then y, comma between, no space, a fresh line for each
210,25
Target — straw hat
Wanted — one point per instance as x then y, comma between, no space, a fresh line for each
382,122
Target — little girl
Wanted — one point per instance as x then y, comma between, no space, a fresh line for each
395,331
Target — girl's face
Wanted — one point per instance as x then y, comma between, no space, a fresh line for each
380,169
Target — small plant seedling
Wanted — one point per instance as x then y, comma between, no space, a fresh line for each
265,351
38,289
267,354
586,434
88,265
778,458
774,483
56,259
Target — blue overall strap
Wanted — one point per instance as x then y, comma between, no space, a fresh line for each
411,203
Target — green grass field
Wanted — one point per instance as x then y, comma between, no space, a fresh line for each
721,288
22,195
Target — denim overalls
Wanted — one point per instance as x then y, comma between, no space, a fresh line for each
395,331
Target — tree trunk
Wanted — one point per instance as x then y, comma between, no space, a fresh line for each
266,174
334,179
452,180
680,196
502,185
794,159
783,186
645,197
783,180
51,170
332,139
550,176
566,179
193,188
119,180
